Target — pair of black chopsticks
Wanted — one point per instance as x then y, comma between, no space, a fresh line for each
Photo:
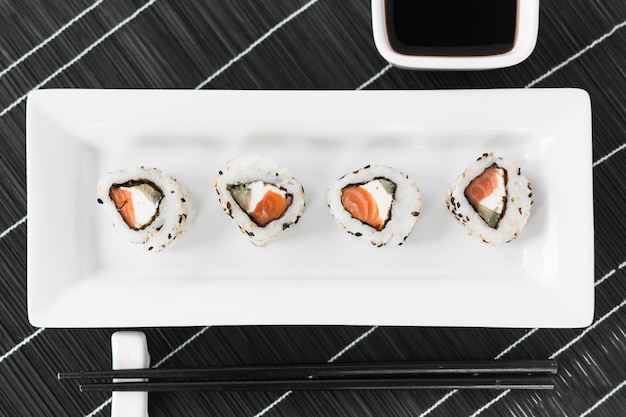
498,375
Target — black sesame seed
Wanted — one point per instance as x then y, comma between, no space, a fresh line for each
367,166
169,236
358,234
183,200
415,213
151,247
220,172
100,201
285,226
172,192
251,234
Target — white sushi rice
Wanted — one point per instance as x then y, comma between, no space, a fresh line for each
251,168
518,203
405,206
173,214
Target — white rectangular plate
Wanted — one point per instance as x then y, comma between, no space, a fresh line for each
81,273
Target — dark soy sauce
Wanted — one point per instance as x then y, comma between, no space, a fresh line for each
451,27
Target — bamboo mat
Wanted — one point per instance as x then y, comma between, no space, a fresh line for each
296,44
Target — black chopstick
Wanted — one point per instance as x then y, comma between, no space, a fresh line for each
540,382
324,370
496,375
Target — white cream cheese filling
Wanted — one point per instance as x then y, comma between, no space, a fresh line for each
382,197
145,209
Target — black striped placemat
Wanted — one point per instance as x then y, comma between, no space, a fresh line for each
297,44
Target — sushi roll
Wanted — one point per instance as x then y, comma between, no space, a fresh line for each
492,199
147,206
262,198
375,203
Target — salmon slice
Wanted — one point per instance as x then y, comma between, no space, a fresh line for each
123,201
271,207
362,206
487,194
482,186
